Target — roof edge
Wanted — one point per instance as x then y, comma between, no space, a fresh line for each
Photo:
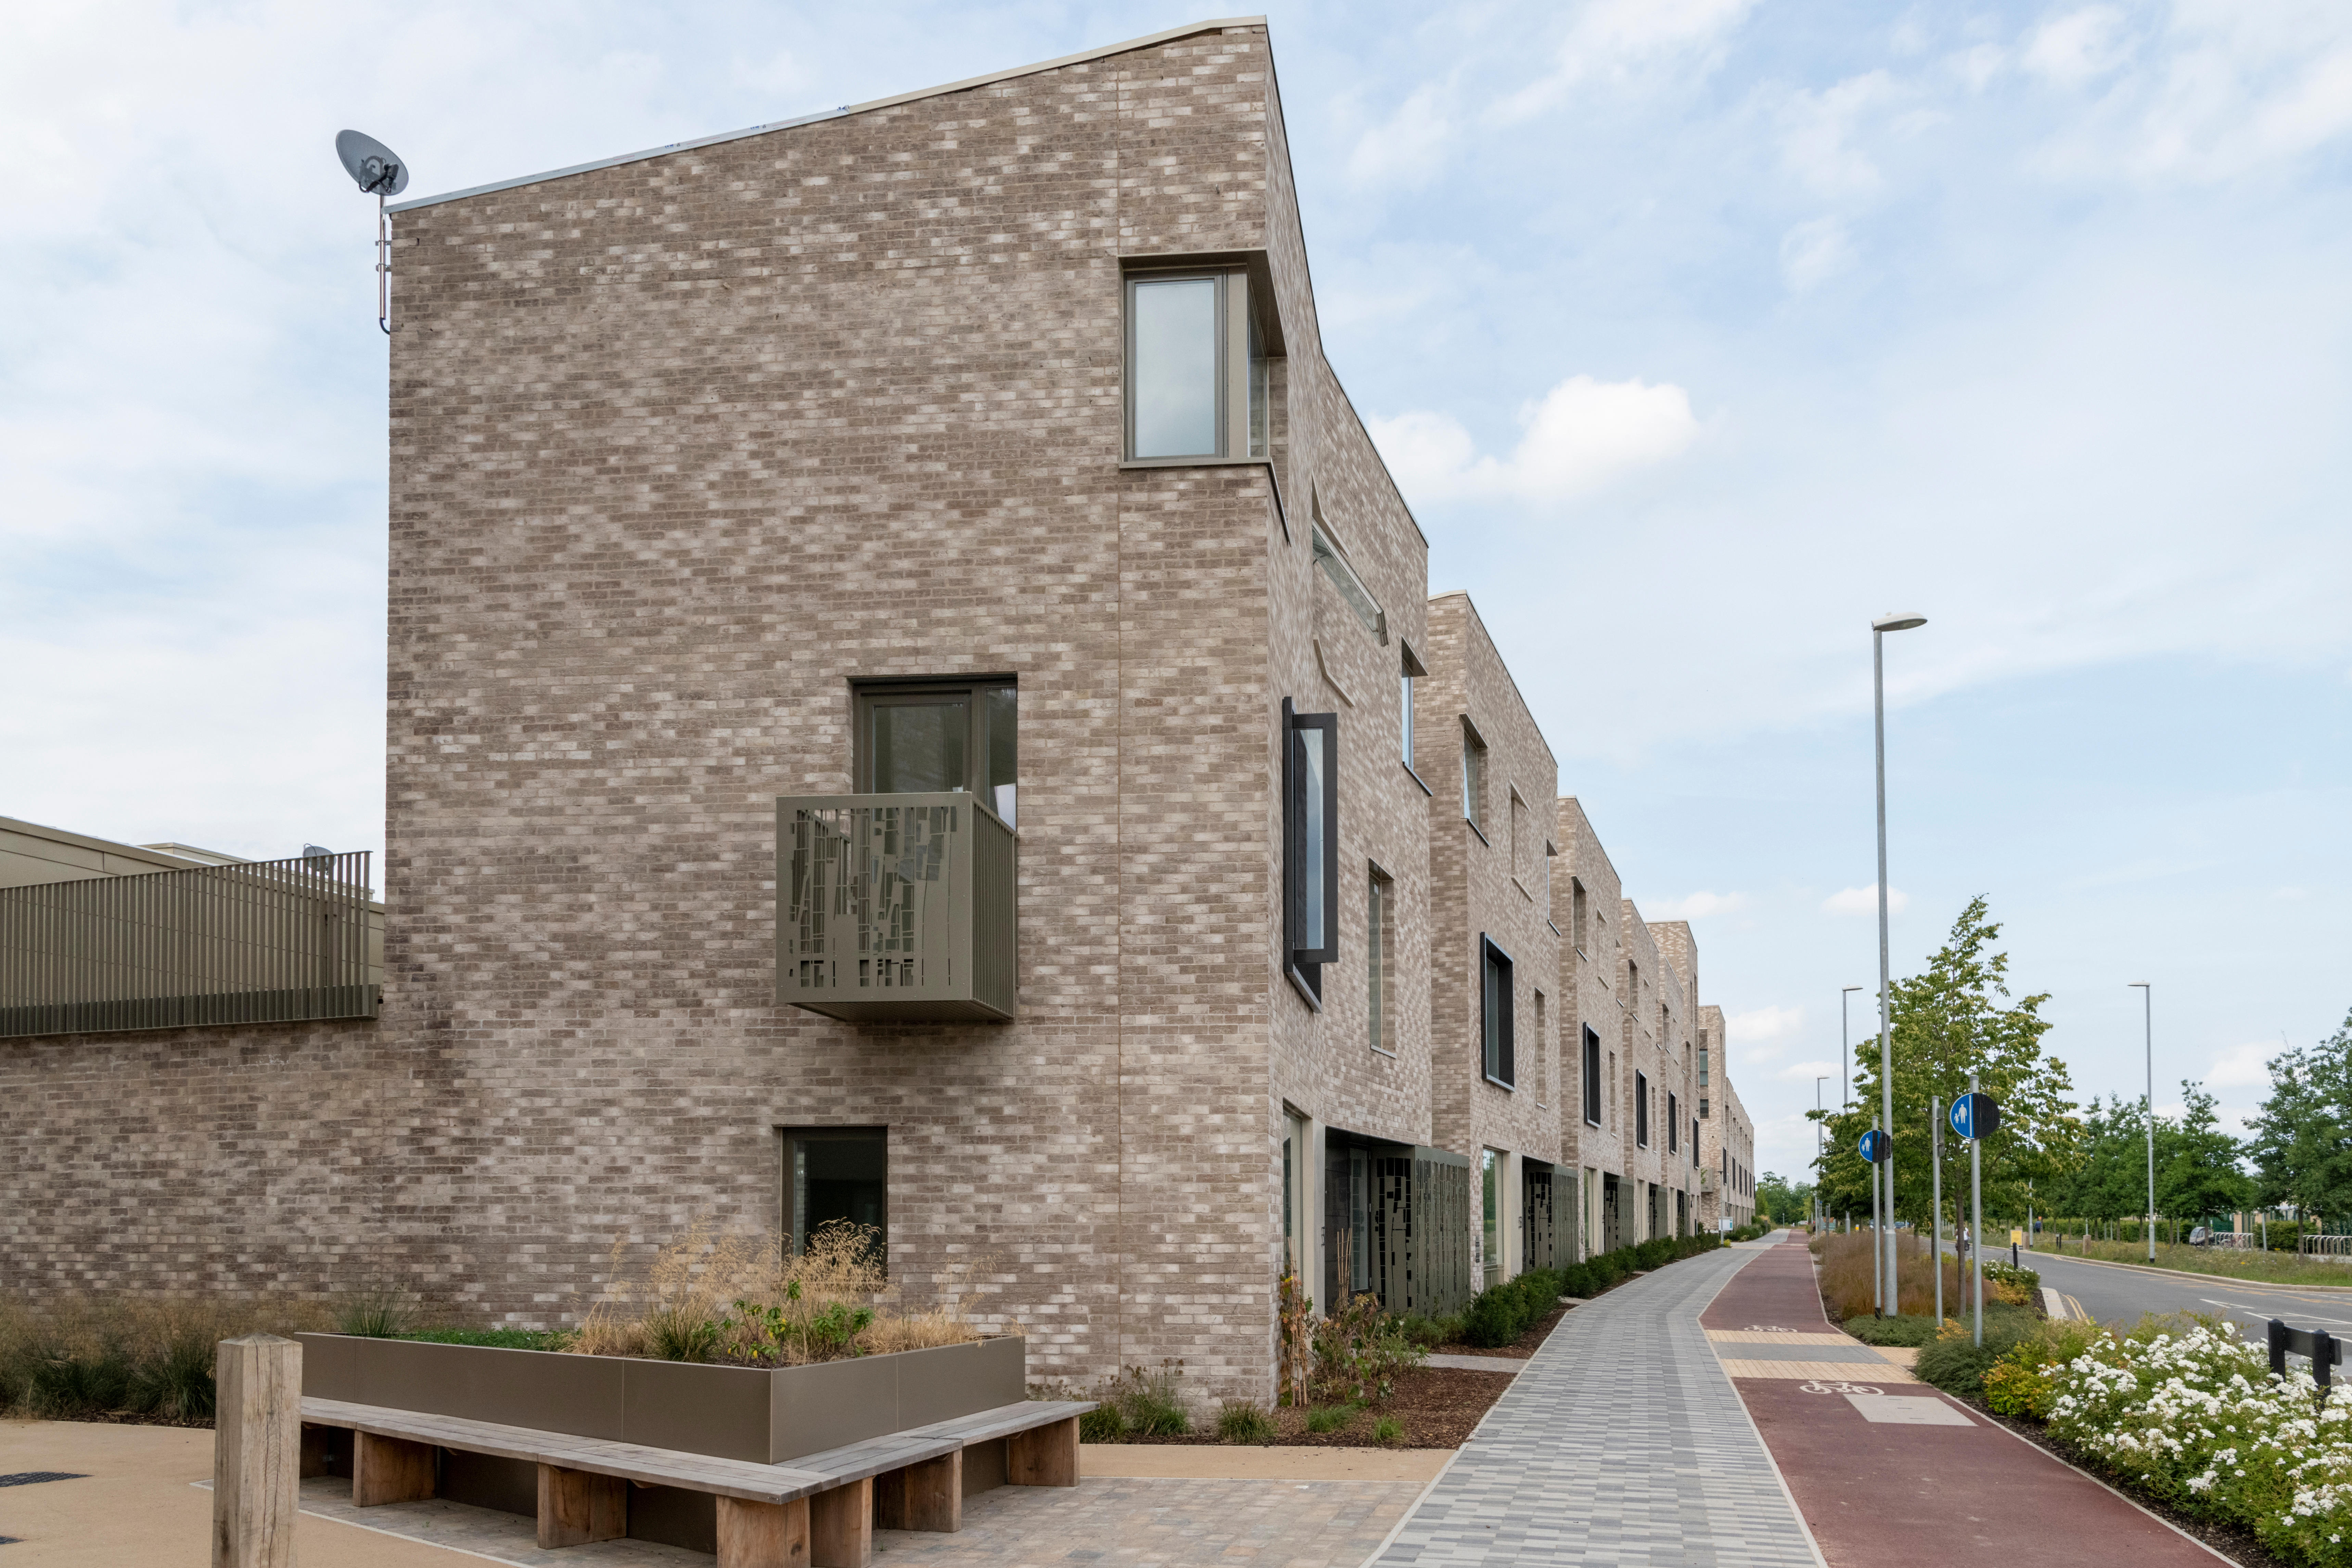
847,109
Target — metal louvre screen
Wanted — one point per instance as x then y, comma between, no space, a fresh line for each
263,941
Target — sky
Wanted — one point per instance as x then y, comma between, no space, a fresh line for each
1698,332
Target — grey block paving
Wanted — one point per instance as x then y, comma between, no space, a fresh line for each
1622,1442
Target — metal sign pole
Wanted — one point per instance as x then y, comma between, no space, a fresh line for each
1877,1251
1976,1205
1936,1213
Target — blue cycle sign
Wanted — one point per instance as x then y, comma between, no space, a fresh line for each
1975,1115
1876,1146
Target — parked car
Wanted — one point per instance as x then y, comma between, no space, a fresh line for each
2200,1237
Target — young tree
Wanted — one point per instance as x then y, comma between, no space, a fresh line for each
2302,1137
2197,1172
1948,1022
2108,1178
1779,1201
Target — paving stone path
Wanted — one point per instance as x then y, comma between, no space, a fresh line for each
1622,1442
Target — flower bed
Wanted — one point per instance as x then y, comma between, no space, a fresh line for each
2189,1412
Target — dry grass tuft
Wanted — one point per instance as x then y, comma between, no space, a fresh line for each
1846,1275
135,1356
739,1300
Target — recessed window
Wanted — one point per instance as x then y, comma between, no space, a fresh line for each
1522,842
1592,1077
1197,381
1310,845
1342,572
1294,1191
1490,1205
1379,917
837,1176
1642,1108
1494,1013
1576,912
920,738
1674,1122
1474,778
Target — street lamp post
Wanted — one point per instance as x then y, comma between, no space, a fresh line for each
1845,1089
2148,1025
1878,630
1821,1166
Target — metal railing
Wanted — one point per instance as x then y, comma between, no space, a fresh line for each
260,942
2335,1248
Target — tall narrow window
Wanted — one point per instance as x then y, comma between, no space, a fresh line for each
1522,845
1544,1050
1592,1077
1576,912
916,737
1642,1108
1474,778
1379,916
1310,845
1198,384
1490,1195
1412,671
1495,1010
1674,1122
837,1178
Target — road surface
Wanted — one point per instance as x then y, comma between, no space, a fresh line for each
2117,1296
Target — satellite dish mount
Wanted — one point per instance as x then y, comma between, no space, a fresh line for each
380,173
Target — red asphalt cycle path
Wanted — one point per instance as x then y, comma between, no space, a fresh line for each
1871,1492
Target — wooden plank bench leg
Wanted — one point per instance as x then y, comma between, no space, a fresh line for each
841,1526
389,1470
934,1493
1043,1456
763,1534
318,1450
576,1508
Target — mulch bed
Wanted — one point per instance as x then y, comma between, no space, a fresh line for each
1438,1406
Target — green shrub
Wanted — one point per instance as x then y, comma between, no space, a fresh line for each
1915,1332
1330,1418
1388,1431
1244,1421
1955,1362
383,1312
1103,1423
495,1339
1149,1403
178,1385
680,1333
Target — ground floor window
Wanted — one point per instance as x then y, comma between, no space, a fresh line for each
834,1176
1491,1208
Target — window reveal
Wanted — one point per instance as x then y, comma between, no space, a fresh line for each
1310,845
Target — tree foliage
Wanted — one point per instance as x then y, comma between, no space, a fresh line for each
2302,1138
1951,1020
1781,1201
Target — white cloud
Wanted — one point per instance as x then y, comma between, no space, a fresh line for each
2242,1066
1819,132
1582,435
1408,147
1864,900
2072,49
1804,1072
1814,252
1693,906
1629,43
1756,1029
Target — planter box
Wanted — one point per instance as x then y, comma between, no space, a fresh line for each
766,1416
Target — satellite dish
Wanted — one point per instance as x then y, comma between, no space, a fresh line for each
380,173
376,167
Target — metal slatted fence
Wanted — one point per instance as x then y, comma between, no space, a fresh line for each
263,941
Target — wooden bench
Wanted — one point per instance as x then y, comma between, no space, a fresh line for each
819,1509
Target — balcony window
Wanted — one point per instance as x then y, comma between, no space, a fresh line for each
922,738
1197,379
1494,1013
837,1176
1310,845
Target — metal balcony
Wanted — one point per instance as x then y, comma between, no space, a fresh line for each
894,907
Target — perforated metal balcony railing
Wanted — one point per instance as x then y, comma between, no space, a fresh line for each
253,942
894,907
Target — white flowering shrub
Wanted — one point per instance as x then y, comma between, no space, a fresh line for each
2196,1418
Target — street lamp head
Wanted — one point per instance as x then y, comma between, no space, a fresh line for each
2136,986
1851,988
1893,622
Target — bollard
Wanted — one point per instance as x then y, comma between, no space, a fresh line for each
257,1451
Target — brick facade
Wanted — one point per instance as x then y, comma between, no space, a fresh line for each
681,447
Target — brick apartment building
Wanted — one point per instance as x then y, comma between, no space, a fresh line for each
1727,1135
913,698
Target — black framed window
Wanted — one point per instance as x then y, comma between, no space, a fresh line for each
918,737
1311,816
1494,1013
1674,1122
1592,1077
1693,1141
1642,1108
838,1176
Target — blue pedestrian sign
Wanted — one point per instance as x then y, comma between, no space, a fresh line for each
1975,1115
1876,1146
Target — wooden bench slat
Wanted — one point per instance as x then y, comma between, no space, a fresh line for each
1006,1419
